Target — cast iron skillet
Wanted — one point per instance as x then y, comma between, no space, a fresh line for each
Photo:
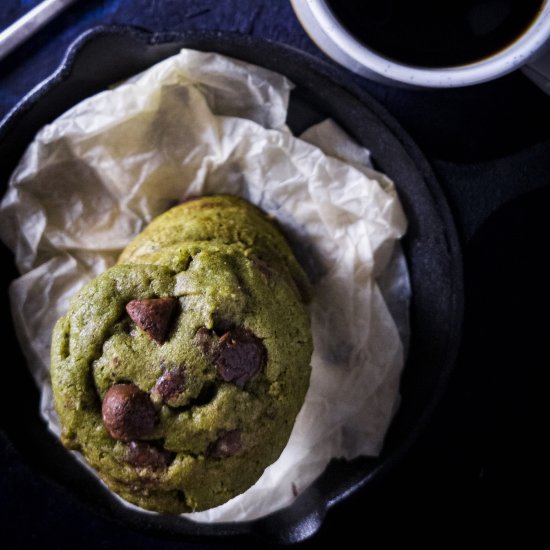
108,54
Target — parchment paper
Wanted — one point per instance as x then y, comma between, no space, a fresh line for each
201,123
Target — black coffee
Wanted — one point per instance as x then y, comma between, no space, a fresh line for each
436,33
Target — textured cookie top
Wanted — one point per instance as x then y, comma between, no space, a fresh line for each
220,220
179,382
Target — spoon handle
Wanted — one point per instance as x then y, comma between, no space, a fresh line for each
31,22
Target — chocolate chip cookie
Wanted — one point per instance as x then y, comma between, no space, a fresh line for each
179,372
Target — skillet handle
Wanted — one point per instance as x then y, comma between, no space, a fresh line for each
477,190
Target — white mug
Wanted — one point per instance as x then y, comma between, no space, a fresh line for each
528,51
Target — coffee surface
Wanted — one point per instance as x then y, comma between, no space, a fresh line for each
435,33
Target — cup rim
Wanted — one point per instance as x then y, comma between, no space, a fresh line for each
497,64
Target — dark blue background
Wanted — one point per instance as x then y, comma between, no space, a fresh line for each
480,462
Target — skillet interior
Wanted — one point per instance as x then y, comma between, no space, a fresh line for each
431,247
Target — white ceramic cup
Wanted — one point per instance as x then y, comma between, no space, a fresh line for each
529,52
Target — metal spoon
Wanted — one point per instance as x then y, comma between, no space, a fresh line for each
30,23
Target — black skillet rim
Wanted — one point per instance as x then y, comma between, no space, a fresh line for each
341,479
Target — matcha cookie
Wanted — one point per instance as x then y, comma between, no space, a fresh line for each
178,373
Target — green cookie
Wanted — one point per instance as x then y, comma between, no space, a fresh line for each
178,374
218,220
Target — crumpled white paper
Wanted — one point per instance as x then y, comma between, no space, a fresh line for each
201,123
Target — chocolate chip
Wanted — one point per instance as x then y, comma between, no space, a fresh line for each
263,267
171,384
221,324
240,355
146,455
153,316
128,413
226,445
204,339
